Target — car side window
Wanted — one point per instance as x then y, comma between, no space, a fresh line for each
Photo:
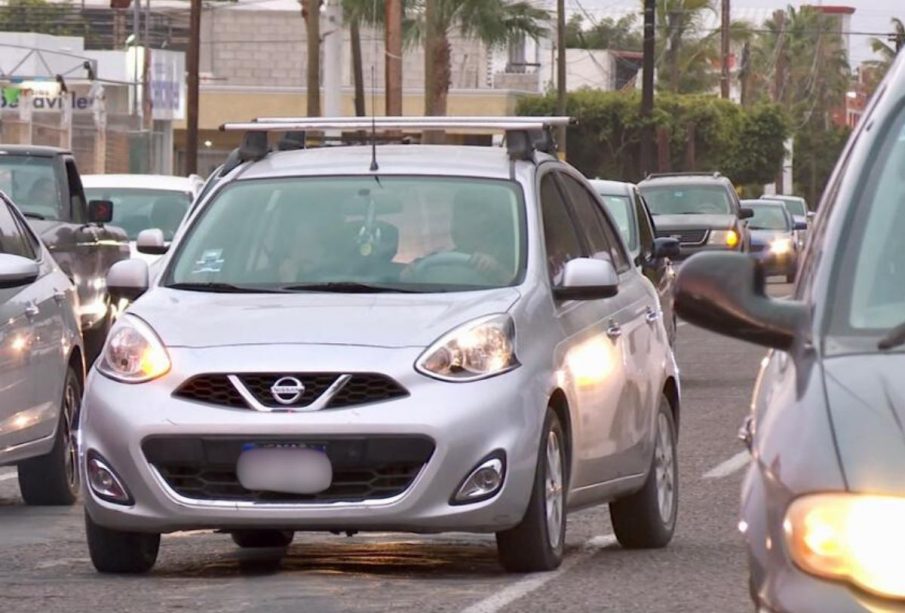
12,239
602,239
646,231
560,236
79,208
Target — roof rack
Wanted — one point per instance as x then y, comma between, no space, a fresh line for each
524,135
660,175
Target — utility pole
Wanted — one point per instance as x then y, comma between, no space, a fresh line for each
779,81
136,36
724,50
194,61
311,11
561,72
393,15
647,88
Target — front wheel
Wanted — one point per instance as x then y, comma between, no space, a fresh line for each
115,551
647,518
537,543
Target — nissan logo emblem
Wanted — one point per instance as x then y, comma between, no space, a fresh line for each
287,390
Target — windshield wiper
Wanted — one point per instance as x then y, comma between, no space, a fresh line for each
32,215
348,287
223,288
894,338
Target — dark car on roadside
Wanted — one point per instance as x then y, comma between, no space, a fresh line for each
823,500
652,255
701,210
773,237
45,185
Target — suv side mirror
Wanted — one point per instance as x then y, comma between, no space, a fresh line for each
801,225
16,271
587,279
666,247
151,241
100,211
812,215
724,292
745,213
127,279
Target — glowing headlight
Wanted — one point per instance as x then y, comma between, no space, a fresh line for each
478,349
133,353
723,237
849,537
781,246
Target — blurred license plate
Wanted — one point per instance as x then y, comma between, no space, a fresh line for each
289,469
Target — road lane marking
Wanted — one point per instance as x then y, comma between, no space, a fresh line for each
730,466
535,581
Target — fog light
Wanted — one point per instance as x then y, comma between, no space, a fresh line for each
104,482
483,482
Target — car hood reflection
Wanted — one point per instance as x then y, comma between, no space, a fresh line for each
198,319
867,405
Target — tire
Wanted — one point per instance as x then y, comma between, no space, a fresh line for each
254,539
53,479
114,551
537,542
642,520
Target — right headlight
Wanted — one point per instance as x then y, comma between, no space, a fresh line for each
728,238
475,350
133,353
850,537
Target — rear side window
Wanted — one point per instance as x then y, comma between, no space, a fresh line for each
560,237
77,202
601,237
646,231
13,240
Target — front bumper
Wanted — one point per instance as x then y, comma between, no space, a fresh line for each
776,264
463,421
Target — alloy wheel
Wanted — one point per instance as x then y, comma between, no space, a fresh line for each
553,483
665,469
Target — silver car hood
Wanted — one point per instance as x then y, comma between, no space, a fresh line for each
201,319
867,405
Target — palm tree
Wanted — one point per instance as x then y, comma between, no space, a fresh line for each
682,20
311,10
493,22
886,51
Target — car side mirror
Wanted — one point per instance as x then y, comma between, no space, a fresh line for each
100,211
16,271
811,215
725,293
745,213
666,247
151,241
587,279
801,225
127,279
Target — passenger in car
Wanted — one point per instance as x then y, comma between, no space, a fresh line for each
481,229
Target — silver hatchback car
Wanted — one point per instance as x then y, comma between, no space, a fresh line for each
416,338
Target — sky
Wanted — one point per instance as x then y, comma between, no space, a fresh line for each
870,15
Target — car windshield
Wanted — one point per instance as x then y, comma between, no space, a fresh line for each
767,217
32,184
796,207
135,210
870,265
620,207
687,200
423,234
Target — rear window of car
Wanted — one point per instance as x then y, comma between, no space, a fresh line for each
687,199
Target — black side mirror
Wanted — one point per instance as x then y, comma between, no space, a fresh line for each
666,247
725,293
801,225
745,213
100,211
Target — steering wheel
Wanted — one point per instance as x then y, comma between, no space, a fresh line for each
424,267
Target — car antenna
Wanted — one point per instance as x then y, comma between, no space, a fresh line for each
374,166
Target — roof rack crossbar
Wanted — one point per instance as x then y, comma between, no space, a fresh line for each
413,121
366,125
658,175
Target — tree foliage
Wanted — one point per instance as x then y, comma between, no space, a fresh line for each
622,34
42,17
744,144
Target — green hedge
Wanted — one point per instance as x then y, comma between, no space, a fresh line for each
744,144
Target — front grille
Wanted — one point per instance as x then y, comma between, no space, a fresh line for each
354,389
364,468
693,236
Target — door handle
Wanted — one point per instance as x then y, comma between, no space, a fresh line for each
32,310
652,315
614,330
59,296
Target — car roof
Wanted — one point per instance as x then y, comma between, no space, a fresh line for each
33,150
764,203
782,197
136,181
616,188
444,160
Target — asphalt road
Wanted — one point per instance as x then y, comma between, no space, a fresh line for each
44,564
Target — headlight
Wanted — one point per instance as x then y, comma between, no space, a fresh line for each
723,237
781,246
849,537
478,349
133,353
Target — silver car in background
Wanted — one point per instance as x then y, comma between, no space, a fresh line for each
415,338
42,365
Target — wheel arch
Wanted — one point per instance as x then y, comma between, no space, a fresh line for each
559,404
671,391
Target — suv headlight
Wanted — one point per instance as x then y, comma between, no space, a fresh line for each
475,350
133,353
728,238
850,537
781,246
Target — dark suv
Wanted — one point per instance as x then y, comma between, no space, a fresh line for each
44,183
701,210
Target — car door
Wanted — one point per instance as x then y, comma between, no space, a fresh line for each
631,320
659,271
